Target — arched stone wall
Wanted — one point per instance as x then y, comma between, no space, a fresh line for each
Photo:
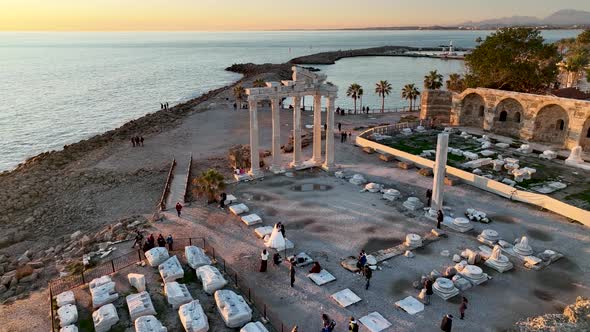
551,124
508,115
472,110
585,136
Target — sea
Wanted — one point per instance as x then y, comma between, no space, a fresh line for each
57,88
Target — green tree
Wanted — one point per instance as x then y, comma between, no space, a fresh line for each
410,93
576,54
433,81
382,89
354,91
239,94
455,83
209,184
515,59
259,83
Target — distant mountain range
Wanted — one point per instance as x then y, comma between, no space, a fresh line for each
565,17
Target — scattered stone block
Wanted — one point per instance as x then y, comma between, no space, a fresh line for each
461,283
487,153
407,131
211,278
502,145
386,157
497,165
451,180
413,204
346,298
103,294
358,179
104,318
238,209
140,304
509,182
301,259
137,281
251,219
232,308
489,237
413,241
475,215
405,165
65,298
196,257
99,282
391,194
339,174
470,155
496,260
229,199
445,253
149,324
374,322
193,318
156,256
426,172
549,187
409,254
474,274
171,269
261,232
373,187
456,258
368,150
410,305
548,154
438,232
254,327
321,278
525,148
445,288
69,328
67,314
177,294
460,224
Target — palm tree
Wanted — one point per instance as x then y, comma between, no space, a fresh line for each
360,93
209,184
455,83
382,89
433,81
259,83
239,93
410,93
353,92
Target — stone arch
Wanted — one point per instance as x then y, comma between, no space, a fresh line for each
472,110
551,124
585,136
509,112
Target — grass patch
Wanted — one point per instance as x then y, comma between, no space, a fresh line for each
453,157
86,324
531,183
189,277
581,196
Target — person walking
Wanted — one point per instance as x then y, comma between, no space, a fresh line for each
151,241
161,106
133,141
339,127
276,259
353,325
429,292
439,218
282,229
161,241
328,324
447,323
167,105
428,197
350,134
362,260
138,240
263,261
170,242
292,272
141,140
368,275
178,208
463,307
325,127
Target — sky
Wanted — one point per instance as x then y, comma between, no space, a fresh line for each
218,15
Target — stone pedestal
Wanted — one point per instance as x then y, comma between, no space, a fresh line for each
391,194
499,262
445,288
413,204
523,248
459,224
489,237
413,241
474,274
358,179
440,164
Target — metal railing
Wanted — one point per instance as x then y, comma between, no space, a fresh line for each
188,179
162,204
59,285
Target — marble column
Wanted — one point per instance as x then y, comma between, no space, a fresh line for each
297,160
276,135
329,163
442,147
254,155
317,129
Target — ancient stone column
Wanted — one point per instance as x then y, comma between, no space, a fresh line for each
317,129
276,135
442,147
254,155
296,132
329,163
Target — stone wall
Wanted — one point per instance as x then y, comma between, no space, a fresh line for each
552,120
436,106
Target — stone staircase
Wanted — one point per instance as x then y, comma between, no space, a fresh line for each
178,183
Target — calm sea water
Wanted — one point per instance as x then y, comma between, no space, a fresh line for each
58,88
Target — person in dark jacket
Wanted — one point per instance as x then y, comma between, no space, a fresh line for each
463,307
328,324
447,323
276,259
151,241
428,197
439,218
368,273
178,208
292,272
362,260
316,268
161,241
170,242
429,292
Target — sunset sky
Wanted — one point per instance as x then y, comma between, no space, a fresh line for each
113,15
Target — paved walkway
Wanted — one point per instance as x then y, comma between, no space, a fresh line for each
178,184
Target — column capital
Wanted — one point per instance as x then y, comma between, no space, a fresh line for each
252,103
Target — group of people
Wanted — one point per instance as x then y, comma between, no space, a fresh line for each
164,106
447,322
151,242
364,268
137,141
